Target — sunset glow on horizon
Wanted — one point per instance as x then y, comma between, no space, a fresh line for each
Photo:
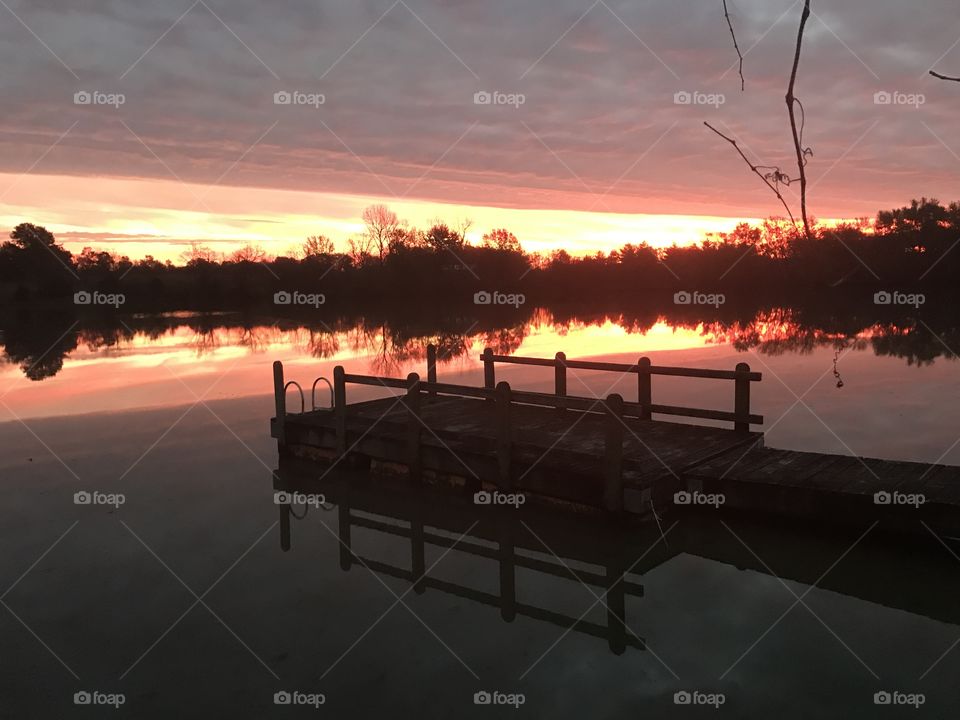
161,218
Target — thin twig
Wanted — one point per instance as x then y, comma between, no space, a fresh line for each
945,77
736,47
791,102
756,171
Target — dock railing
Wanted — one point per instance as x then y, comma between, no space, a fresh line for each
644,408
614,407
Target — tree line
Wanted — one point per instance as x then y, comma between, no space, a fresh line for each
391,261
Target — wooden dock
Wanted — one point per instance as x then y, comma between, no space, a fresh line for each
606,453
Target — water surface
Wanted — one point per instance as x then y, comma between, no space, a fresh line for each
107,599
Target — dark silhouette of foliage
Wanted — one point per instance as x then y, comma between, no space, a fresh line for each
906,247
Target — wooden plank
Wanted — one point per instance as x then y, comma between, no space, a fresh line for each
937,483
833,476
741,402
627,368
375,381
613,455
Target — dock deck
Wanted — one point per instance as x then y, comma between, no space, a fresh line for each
557,454
839,489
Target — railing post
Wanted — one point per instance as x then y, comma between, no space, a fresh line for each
285,527
613,454
413,426
741,400
508,579
489,375
418,561
280,399
340,409
504,440
644,394
343,522
560,374
432,367
616,606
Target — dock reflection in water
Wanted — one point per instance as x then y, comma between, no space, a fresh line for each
609,558
581,551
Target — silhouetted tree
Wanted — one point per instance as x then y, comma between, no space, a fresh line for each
440,237
381,221
317,245
200,254
501,239
33,259
248,253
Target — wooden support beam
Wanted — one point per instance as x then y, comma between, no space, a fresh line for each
560,375
504,435
280,400
432,367
613,454
489,373
644,391
412,403
741,402
340,409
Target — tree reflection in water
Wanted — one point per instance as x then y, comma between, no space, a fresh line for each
39,342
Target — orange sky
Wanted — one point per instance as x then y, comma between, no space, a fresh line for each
160,217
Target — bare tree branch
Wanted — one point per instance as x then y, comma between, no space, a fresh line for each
736,47
945,77
756,170
792,102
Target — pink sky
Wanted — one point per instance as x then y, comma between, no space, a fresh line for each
597,154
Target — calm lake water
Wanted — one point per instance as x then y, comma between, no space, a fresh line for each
183,600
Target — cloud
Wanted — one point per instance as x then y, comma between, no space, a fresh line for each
399,119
